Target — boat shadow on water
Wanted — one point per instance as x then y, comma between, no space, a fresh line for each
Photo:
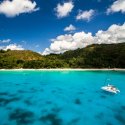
108,93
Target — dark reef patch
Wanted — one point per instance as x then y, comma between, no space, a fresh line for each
5,101
102,96
123,107
5,124
48,102
84,88
22,91
43,84
77,101
59,90
22,117
17,84
56,110
53,91
97,91
9,108
99,115
89,100
33,90
4,94
44,111
13,95
120,118
74,121
28,102
109,123
51,118
41,90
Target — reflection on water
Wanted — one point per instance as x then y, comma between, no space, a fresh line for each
60,98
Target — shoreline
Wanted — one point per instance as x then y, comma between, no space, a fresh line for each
65,69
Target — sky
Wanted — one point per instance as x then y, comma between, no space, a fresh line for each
56,26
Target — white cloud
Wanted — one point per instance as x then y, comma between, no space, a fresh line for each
85,15
69,42
63,10
5,41
117,6
70,28
12,8
12,47
114,34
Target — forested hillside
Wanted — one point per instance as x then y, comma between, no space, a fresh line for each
93,56
17,58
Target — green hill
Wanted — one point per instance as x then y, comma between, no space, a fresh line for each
97,56
20,55
16,58
93,56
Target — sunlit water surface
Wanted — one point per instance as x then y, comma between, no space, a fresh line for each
61,98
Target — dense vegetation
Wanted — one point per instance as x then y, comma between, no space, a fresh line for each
93,56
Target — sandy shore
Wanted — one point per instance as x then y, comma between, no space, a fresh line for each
103,69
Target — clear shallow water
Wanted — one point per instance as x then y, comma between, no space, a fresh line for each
60,98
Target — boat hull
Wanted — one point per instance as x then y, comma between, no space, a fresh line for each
109,90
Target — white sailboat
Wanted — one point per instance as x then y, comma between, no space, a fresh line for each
110,88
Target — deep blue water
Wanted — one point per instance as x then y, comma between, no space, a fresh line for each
61,98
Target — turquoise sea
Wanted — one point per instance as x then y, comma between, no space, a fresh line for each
61,98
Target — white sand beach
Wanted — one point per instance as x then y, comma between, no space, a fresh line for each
65,69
